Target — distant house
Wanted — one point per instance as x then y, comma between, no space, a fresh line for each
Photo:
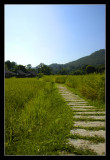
21,74
32,74
9,74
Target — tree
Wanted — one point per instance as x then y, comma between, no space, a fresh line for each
84,68
22,68
77,72
29,67
63,71
90,69
6,66
42,68
100,68
10,65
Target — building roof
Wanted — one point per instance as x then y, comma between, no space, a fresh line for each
32,72
9,72
20,72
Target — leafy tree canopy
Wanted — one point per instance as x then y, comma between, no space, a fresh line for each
42,68
29,67
10,65
90,69
21,67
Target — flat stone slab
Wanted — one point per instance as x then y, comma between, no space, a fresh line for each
92,107
83,109
77,104
93,117
65,93
89,124
80,106
89,112
70,96
72,100
85,144
83,132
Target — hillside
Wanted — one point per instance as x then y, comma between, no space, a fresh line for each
94,59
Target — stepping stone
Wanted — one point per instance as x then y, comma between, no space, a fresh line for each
89,112
66,96
93,117
84,106
83,109
85,144
72,100
89,107
89,124
77,103
83,132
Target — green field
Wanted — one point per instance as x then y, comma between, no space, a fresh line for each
91,86
37,119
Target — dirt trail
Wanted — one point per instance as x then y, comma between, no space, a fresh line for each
90,118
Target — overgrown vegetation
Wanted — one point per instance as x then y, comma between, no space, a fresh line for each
85,65
37,119
78,67
94,139
90,86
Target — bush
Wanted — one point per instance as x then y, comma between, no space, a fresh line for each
90,69
40,75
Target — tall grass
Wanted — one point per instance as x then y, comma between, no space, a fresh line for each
37,120
91,86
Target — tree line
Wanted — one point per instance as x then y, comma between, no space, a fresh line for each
43,69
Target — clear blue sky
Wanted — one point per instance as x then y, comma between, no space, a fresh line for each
49,34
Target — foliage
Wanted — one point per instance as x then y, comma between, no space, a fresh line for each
10,65
29,67
78,67
90,69
93,59
100,68
37,119
77,72
42,68
60,79
91,86
21,67
40,75
6,66
63,72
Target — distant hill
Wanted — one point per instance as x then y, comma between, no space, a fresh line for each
94,59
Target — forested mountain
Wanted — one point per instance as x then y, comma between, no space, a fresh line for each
95,62
95,59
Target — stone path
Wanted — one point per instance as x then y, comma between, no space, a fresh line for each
85,116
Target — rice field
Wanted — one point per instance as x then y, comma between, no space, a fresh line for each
37,119
90,86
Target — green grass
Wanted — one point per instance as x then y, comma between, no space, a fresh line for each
70,149
90,87
99,104
86,114
37,119
94,139
89,128
88,119
90,110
